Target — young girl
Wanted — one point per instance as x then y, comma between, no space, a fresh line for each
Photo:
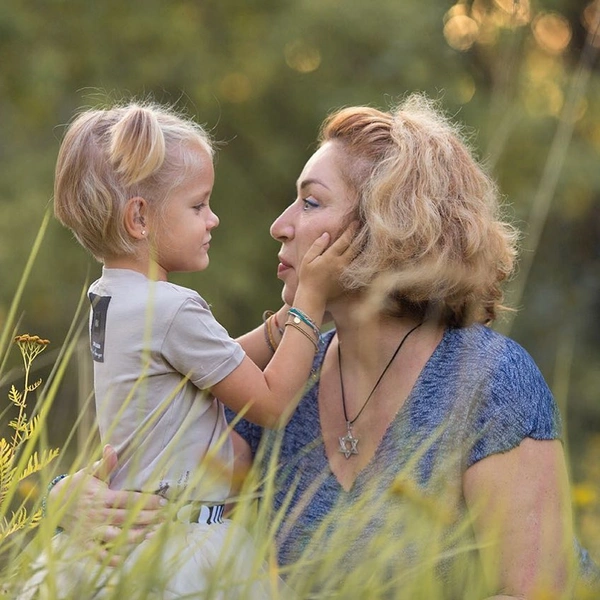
133,183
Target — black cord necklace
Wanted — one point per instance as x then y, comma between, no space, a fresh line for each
349,443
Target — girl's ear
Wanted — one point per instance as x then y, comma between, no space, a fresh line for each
135,217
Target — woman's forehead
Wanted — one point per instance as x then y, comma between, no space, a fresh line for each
323,167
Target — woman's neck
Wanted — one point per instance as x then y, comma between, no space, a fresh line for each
366,336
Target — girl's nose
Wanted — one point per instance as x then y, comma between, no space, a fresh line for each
213,220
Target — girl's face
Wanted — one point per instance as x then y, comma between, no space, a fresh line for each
322,204
183,228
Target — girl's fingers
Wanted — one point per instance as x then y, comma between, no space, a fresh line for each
344,241
317,248
114,544
338,248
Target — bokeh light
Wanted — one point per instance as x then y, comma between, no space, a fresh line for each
302,57
543,99
235,87
591,22
513,13
460,30
465,89
552,32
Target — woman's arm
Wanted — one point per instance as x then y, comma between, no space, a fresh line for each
520,504
242,461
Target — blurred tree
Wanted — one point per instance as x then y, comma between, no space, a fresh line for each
261,75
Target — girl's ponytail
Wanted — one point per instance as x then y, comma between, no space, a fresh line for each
137,145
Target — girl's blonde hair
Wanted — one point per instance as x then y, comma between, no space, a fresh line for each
431,236
111,155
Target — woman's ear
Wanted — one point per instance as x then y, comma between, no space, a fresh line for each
135,217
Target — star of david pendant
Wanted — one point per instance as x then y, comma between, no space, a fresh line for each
348,443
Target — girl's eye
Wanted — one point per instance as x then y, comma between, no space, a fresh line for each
309,203
199,207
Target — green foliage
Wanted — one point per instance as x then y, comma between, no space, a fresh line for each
17,460
262,75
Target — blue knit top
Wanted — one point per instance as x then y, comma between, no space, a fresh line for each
480,393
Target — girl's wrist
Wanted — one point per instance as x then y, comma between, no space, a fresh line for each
311,304
281,316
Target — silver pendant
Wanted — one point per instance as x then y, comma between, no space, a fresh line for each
348,443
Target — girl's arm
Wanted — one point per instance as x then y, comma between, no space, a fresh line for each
521,509
255,344
268,397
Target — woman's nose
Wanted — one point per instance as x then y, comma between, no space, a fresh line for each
282,228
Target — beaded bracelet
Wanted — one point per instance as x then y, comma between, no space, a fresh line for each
269,316
269,313
51,485
269,336
303,332
301,316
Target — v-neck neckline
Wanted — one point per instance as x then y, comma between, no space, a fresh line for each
406,405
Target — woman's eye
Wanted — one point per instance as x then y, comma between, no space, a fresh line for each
309,203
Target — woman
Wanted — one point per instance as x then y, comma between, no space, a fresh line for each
420,413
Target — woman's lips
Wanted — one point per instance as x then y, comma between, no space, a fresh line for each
282,267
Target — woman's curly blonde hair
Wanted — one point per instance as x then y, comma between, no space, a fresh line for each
431,235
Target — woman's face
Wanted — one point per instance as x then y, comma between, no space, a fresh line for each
323,202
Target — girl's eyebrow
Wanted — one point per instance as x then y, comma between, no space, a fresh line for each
203,195
308,182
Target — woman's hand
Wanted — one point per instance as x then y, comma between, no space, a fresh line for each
88,509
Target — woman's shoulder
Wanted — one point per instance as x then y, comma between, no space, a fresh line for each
513,398
498,368
488,348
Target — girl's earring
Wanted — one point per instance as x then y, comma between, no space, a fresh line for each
143,232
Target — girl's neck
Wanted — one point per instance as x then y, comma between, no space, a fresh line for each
146,267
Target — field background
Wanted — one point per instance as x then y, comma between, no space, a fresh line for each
522,76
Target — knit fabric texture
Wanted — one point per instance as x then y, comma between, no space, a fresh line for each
479,394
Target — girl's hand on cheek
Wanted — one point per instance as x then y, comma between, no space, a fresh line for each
324,263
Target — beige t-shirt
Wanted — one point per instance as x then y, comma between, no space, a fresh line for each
157,348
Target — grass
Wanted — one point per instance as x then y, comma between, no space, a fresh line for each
403,560
341,562
419,549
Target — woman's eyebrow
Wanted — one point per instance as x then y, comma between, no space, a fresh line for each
308,182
